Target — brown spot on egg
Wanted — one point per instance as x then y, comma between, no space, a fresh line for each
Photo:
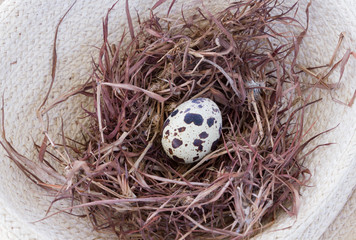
203,135
167,132
178,159
195,158
210,121
197,119
198,143
174,113
165,123
214,146
181,129
170,151
198,100
176,143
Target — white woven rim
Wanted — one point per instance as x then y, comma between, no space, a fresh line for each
26,36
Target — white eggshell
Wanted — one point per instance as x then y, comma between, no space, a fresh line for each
192,130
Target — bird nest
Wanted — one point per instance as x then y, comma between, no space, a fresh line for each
121,176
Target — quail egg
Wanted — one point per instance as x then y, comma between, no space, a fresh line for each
192,130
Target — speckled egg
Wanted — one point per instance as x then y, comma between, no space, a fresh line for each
192,130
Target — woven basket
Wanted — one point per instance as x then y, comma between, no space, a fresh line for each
26,37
